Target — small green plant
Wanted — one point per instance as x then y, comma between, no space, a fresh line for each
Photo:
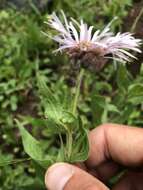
61,110
34,81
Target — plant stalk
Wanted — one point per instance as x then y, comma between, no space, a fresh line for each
74,108
136,20
79,80
69,144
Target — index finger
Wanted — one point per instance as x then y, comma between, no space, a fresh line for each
119,143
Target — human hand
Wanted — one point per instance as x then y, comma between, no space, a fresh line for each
111,146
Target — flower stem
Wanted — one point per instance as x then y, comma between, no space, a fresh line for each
69,144
69,136
79,80
136,20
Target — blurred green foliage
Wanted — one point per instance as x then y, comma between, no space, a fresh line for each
113,95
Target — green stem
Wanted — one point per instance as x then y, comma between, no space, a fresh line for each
79,80
75,102
69,144
136,20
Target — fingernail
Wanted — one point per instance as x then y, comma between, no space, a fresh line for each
58,175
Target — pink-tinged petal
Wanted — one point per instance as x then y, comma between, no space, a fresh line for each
116,58
63,47
82,39
56,24
65,19
89,33
75,22
120,55
55,21
127,53
122,43
74,31
83,32
95,35
58,39
107,27
136,49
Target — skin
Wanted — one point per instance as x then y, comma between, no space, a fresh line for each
111,147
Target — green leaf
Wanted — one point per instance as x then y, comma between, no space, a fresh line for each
112,108
97,106
123,78
124,115
33,147
80,148
55,111
81,145
5,160
8,159
135,94
45,124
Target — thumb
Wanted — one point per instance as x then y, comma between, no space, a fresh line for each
62,176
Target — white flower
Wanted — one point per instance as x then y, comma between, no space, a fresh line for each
74,38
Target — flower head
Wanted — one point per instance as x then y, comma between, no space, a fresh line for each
76,38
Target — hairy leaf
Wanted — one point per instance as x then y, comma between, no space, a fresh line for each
33,147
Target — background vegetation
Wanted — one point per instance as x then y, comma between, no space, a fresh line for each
109,95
